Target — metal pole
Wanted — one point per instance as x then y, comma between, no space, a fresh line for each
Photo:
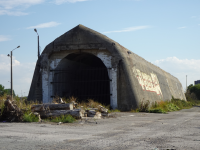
11,79
38,48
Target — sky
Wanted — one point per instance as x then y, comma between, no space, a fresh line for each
164,32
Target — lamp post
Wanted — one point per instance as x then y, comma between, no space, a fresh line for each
186,83
38,44
11,83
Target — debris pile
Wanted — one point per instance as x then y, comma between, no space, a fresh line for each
55,110
11,112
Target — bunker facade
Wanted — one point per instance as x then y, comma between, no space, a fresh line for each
88,65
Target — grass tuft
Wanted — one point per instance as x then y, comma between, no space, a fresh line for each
113,110
64,119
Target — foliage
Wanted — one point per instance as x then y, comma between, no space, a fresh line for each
113,110
64,119
2,99
189,87
29,117
165,106
2,90
195,89
168,106
8,91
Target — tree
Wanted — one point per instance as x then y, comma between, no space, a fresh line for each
190,86
2,90
196,89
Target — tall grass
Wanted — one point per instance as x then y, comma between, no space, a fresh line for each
168,106
21,103
64,119
165,106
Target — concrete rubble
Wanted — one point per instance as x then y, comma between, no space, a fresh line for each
55,110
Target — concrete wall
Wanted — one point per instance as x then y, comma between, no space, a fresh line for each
133,78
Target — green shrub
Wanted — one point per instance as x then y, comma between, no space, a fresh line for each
30,117
165,106
64,119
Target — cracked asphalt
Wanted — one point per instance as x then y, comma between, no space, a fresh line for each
132,131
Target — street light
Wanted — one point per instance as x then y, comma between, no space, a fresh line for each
11,83
38,44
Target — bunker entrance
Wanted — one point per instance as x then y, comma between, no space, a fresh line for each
83,76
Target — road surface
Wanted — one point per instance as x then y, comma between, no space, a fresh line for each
132,131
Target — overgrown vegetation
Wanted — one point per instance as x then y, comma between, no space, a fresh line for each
85,104
29,117
113,110
165,106
63,119
192,95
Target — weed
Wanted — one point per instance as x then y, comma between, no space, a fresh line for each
113,110
135,110
29,117
144,106
64,119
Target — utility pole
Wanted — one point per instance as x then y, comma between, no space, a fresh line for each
11,76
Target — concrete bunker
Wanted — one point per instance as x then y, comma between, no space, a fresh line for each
82,75
87,64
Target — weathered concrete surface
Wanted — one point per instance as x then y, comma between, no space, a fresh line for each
132,131
133,78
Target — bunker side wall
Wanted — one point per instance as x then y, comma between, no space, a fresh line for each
153,83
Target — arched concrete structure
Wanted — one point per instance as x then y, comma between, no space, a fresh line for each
132,79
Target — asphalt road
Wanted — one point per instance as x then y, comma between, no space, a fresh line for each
133,131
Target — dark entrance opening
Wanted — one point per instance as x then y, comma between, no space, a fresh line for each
83,76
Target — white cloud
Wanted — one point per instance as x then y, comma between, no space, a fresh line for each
22,74
4,38
182,27
59,2
193,16
16,7
45,25
129,29
12,13
180,68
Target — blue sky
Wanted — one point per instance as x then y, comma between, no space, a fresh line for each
164,32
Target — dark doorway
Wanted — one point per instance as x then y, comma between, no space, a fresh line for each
83,76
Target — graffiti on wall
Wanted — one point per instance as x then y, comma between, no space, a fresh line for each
148,82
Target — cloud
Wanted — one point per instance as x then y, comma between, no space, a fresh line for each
12,13
16,7
180,68
193,16
182,27
45,25
129,29
4,38
22,74
59,2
